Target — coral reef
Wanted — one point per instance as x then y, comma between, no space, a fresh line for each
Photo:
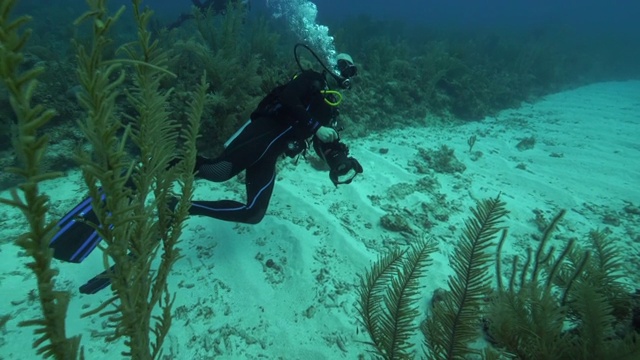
442,160
526,143
237,60
408,75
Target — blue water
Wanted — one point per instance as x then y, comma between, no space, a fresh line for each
588,15
588,20
468,13
599,16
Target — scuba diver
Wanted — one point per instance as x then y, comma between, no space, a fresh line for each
303,108
282,124
215,6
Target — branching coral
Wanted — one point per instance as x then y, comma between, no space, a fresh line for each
441,160
567,305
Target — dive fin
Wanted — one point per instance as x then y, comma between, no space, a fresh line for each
76,239
97,282
100,281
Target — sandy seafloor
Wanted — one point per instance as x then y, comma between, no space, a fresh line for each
230,305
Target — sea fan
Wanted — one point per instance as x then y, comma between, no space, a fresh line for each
388,296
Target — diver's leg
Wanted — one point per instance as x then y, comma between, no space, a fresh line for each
256,149
258,139
260,180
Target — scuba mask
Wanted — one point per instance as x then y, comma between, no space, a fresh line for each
344,66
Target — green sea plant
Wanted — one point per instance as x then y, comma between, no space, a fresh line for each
30,146
570,305
144,225
561,303
525,316
264,42
224,51
454,320
387,297
389,293
141,226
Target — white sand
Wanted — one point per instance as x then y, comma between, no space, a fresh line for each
231,306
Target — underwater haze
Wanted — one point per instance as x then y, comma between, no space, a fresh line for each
588,15
336,179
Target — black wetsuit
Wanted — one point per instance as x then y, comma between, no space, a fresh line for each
291,112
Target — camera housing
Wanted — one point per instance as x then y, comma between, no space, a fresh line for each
335,154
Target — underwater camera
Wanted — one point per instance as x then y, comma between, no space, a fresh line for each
343,168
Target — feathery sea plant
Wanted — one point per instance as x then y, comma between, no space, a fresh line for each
563,306
389,293
30,147
558,304
454,321
388,296
526,317
604,271
140,226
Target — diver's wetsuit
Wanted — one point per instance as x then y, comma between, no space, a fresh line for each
293,111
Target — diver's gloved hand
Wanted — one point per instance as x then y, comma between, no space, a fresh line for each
327,134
